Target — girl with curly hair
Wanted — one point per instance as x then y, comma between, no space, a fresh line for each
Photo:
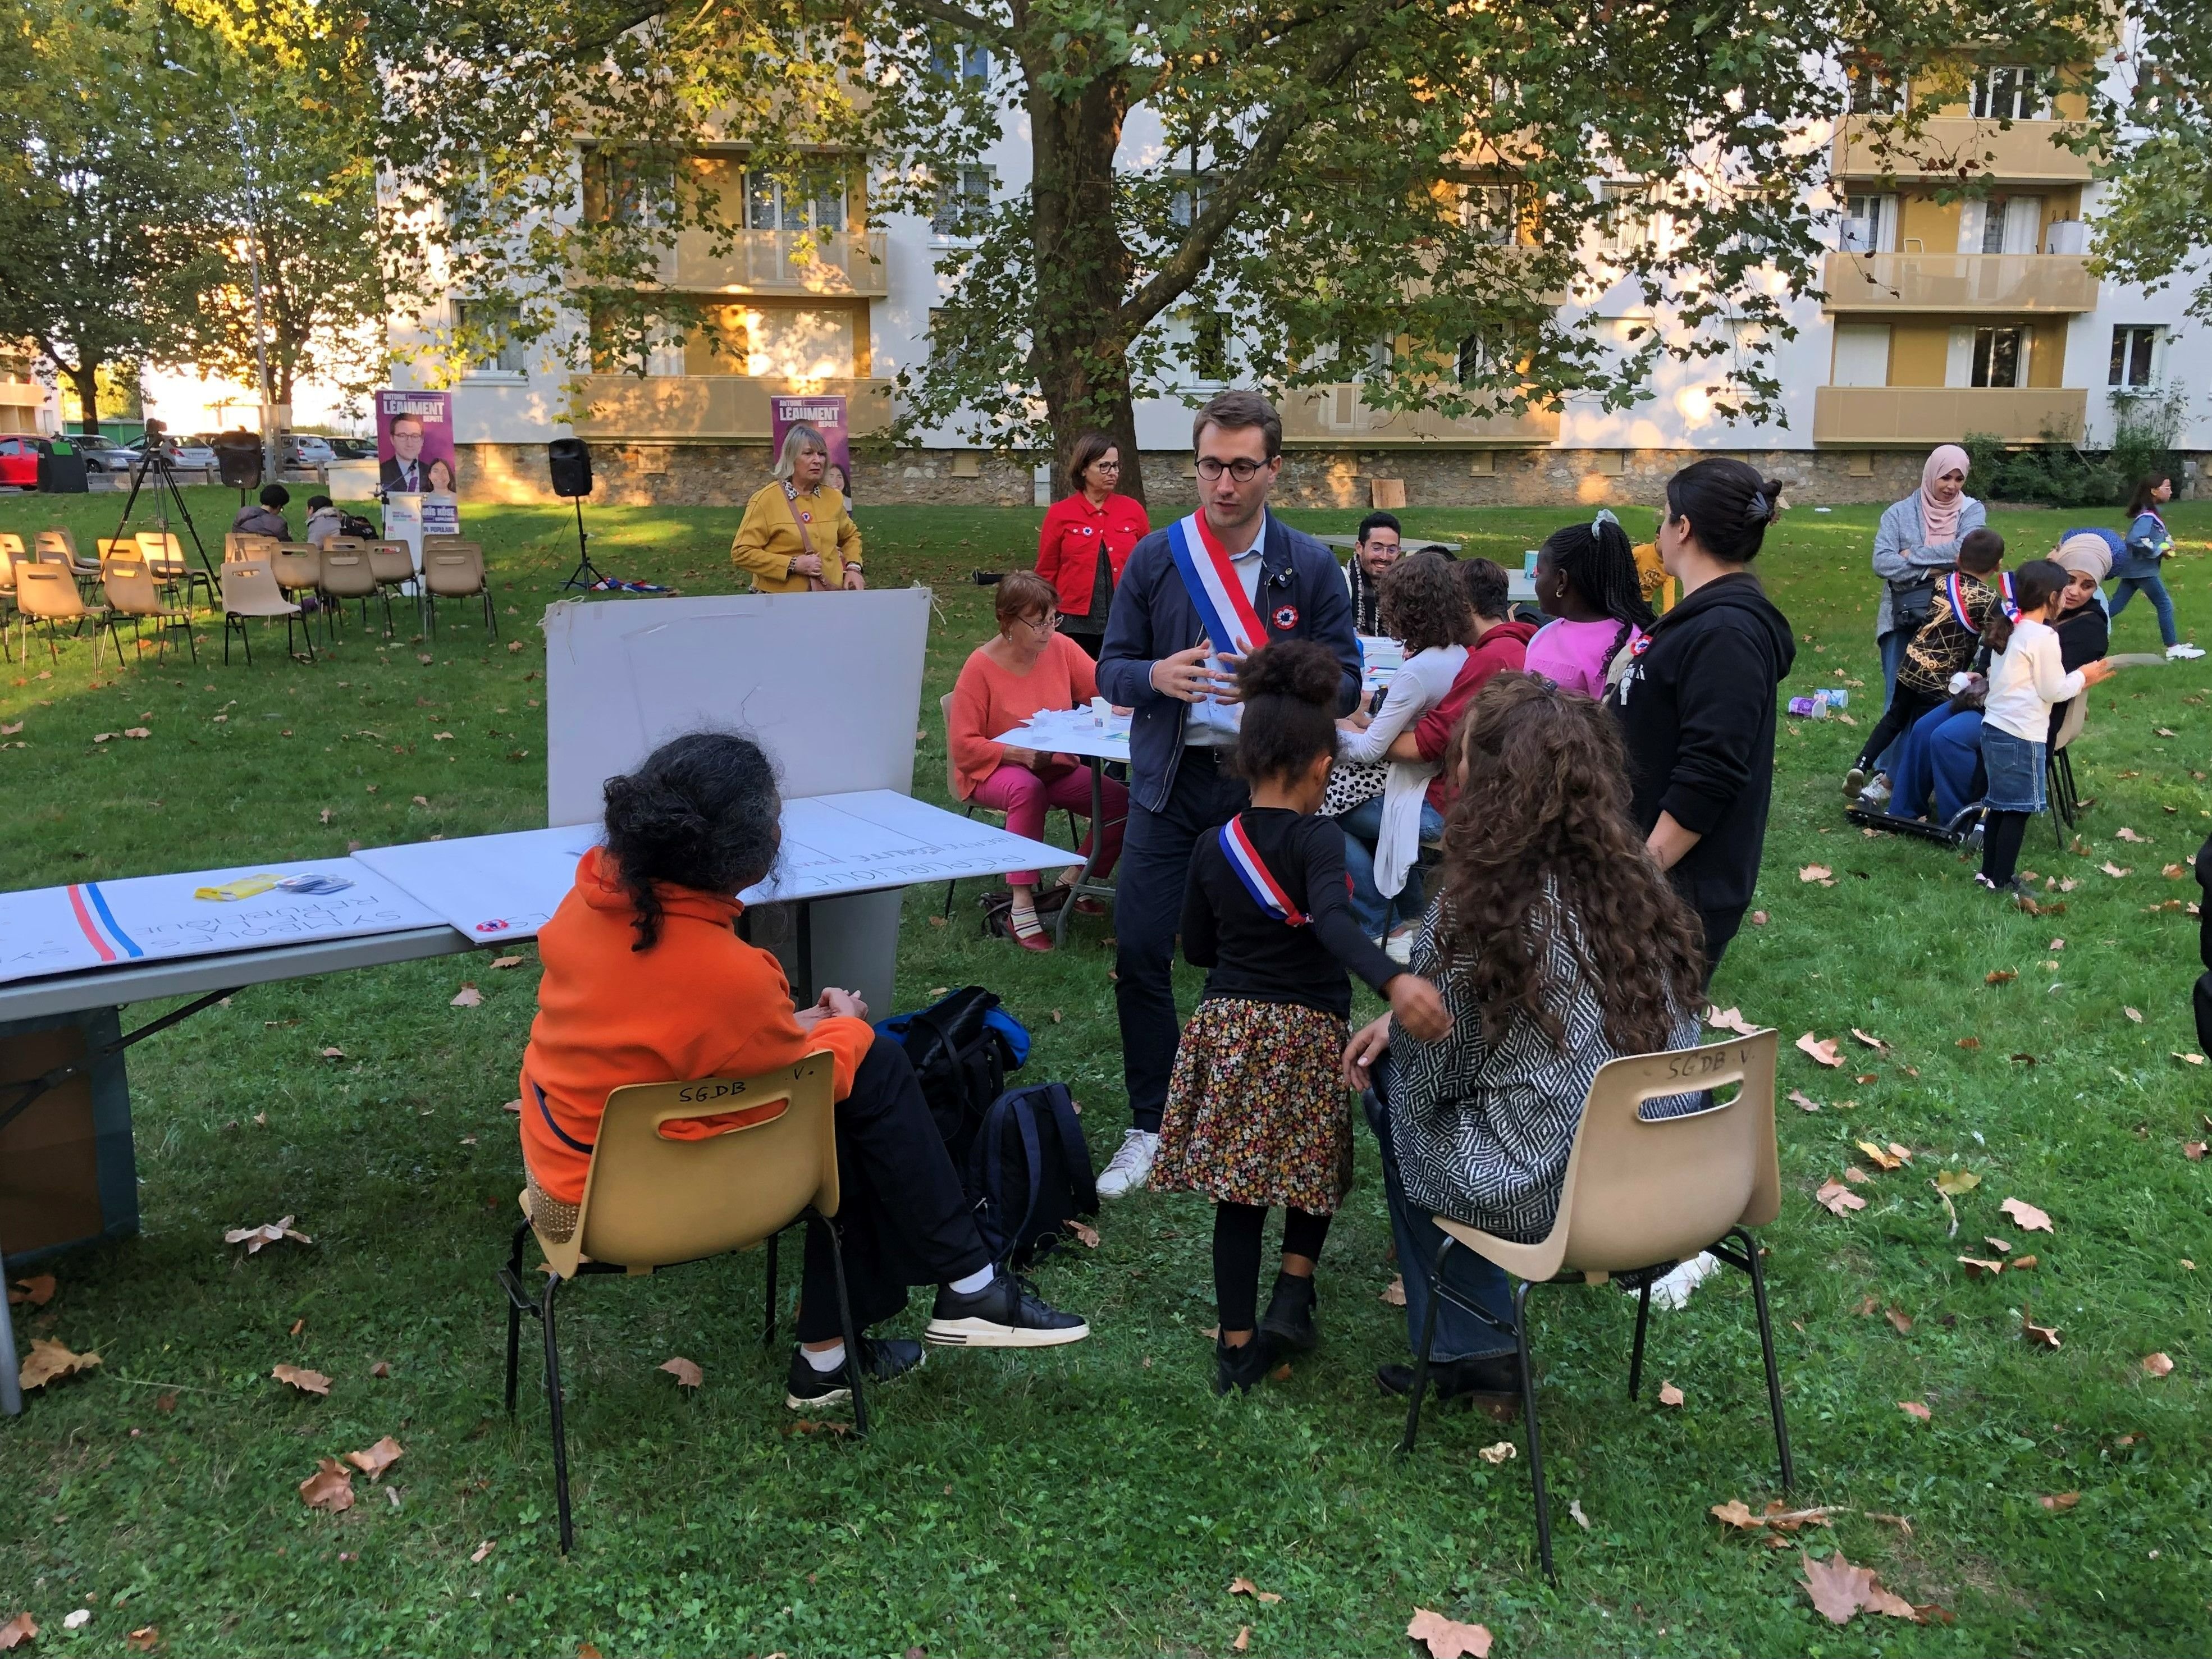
1589,584
1558,945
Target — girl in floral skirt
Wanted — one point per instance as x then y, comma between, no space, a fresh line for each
1257,1113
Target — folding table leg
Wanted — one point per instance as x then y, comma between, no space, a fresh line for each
11,1394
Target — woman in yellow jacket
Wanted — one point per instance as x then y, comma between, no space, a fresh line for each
796,536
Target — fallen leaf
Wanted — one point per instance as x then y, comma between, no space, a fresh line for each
333,1053
1445,1640
2163,732
837,1429
298,1325
2193,1150
1821,1051
2114,870
1837,1589
506,961
1575,1511
305,1381
1245,1587
1999,976
2042,1336
1669,1395
467,997
1281,1373
1803,1102
144,1639
374,1460
2125,834
686,1373
2019,1264
1897,1521
22,1627
2157,1363
2175,872
1874,1042
516,645
38,1290
1885,1160
1970,1042
422,801
1979,1267
1814,872
1729,1019
1734,1513
2134,1014
2191,1059
2057,1501
1857,1176
330,1488
441,736
514,1106
1243,1639
475,1558
1503,1450
2031,1219
1084,1231
272,1232
1839,1198
50,1361
1951,1182
1394,1294
1759,918
1915,1408
2001,1246
1897,1316
165,1402
382,1368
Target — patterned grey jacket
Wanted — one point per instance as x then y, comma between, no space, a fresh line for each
1483,1122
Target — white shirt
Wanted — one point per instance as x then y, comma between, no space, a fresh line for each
2027,681
1213,725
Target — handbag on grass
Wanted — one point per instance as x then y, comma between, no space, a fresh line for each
1352,783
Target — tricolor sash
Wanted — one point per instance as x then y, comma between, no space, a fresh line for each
1269,894
2004,595
1954,590
1210,577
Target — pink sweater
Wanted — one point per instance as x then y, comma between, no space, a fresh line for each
988,699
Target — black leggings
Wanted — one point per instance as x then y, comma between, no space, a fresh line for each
1904,708
1236,1255
2001,834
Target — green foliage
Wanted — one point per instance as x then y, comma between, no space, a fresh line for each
2155,219
2057,473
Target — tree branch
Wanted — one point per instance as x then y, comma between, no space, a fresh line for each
963,19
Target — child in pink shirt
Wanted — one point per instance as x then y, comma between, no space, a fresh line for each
1587,582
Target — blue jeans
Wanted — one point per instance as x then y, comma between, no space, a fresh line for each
1459,1335
1363,828
2160,601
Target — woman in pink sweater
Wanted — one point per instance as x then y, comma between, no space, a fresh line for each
1028,667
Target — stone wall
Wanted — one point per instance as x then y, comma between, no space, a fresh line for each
726,475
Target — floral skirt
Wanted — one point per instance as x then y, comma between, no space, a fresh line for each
1257,1111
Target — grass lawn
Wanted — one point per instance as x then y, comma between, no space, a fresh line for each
1098,1498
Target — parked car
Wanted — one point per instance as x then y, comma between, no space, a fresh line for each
19,459
187,453
101,454
353,449
305,449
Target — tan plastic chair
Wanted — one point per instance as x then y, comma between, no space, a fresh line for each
1638,1192
298,568
165,556
46,594
652,1202
249,590
455,570
11,554
132,592
346,575
57,539
246,544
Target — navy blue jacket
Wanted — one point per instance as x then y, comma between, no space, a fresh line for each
1301,597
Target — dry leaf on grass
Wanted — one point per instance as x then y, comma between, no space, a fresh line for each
1874,1042
1729,1019
1916,1408
1575,1511
2019,1264
477,1556
1245,1587
1503,1451
506,961
1857,1176
1840,1591
1759,918
2157,1363
305,1381
333,1053
2133,1014
1821,1050
686,1373
330,1488
1839,1198
1244,1641
833,1429
2175,872
1815,872
1445,1640
2032,1219
22,1627
1083,1230
2057,1501
1888,1160
2114,870
38,1290
467,997
254,1237
1978,1268
1999,976
1804,1103
144,1639
1774,1519
2125,834
1897,1317
1393,1295
2041,1336
1951,1182
50,1361
372,1461
1669,1395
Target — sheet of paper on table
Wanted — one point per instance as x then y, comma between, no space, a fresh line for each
61,930
1380,659
490,887
1086,731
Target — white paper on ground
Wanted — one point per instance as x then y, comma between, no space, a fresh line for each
60,930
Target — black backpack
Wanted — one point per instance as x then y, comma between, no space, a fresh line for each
1029,1173
961,1047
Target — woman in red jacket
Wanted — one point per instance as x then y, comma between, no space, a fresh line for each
1087,539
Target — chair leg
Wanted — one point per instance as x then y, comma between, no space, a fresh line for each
1766,1351
1529,1418
1636,1354
768,1318
1421,1355
853,1366
512,1282
553,1404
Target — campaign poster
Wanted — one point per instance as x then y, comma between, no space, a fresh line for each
415,444
826,415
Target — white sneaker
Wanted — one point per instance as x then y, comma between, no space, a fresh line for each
1130,1167
1398,947
1672,1291
2182,652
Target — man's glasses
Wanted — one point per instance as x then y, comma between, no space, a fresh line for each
1241,470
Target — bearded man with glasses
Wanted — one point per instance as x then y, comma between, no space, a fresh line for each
1193,597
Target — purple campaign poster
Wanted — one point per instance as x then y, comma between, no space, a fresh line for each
827,414
415,443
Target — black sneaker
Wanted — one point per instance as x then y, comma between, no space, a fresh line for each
1493,1381
1289,1321
805,1388
1245,1368
1003,1314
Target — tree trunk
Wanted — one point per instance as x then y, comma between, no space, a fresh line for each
1078,353
86,378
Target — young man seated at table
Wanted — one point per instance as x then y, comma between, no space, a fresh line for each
646,981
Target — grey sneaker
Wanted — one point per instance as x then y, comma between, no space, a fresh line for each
1854,781
1131,1166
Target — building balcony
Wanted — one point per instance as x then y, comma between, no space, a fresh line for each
1892,283
829,264
1918,416
716,408
1953,147
19,394
1336,416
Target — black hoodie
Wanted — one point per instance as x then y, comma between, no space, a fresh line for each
1697,709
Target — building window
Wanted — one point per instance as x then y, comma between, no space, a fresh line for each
816,203
1477,358
1190,201
1869,224
493,349
2010,92
962,61
1870,91
2134,355
964,201
622,187
1999,357
1209,345
1487,212
1626,225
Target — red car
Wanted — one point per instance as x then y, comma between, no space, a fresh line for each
19,459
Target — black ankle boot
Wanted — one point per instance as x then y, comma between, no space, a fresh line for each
1289,1321
1242,1368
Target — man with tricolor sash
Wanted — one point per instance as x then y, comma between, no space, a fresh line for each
1194,598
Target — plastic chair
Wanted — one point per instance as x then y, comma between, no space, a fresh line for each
1638,1192
248,545
345,576
455,570
2059,771
132,592
652,1202
56,544
11,554
165,556
250,590
45,593
298,568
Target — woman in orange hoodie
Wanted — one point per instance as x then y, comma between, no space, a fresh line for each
646,981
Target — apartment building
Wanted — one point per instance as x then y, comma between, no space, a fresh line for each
1941,318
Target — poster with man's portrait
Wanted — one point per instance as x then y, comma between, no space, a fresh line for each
415,444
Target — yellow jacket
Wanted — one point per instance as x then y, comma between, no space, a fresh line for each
768,539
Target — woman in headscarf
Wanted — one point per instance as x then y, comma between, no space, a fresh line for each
1918,541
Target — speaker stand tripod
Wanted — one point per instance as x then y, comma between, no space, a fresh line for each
585,575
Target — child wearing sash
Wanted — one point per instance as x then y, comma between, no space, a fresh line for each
1257,1114
1946,644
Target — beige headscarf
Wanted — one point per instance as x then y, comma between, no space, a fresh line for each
2091,555
1941,522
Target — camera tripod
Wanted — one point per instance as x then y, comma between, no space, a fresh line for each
166,492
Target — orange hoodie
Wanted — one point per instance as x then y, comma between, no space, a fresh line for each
701,1003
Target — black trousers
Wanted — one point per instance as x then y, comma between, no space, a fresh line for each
1148,910
1089,642
1719,927
1905,706
904,1218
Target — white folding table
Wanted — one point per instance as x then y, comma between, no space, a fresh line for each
1094,738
